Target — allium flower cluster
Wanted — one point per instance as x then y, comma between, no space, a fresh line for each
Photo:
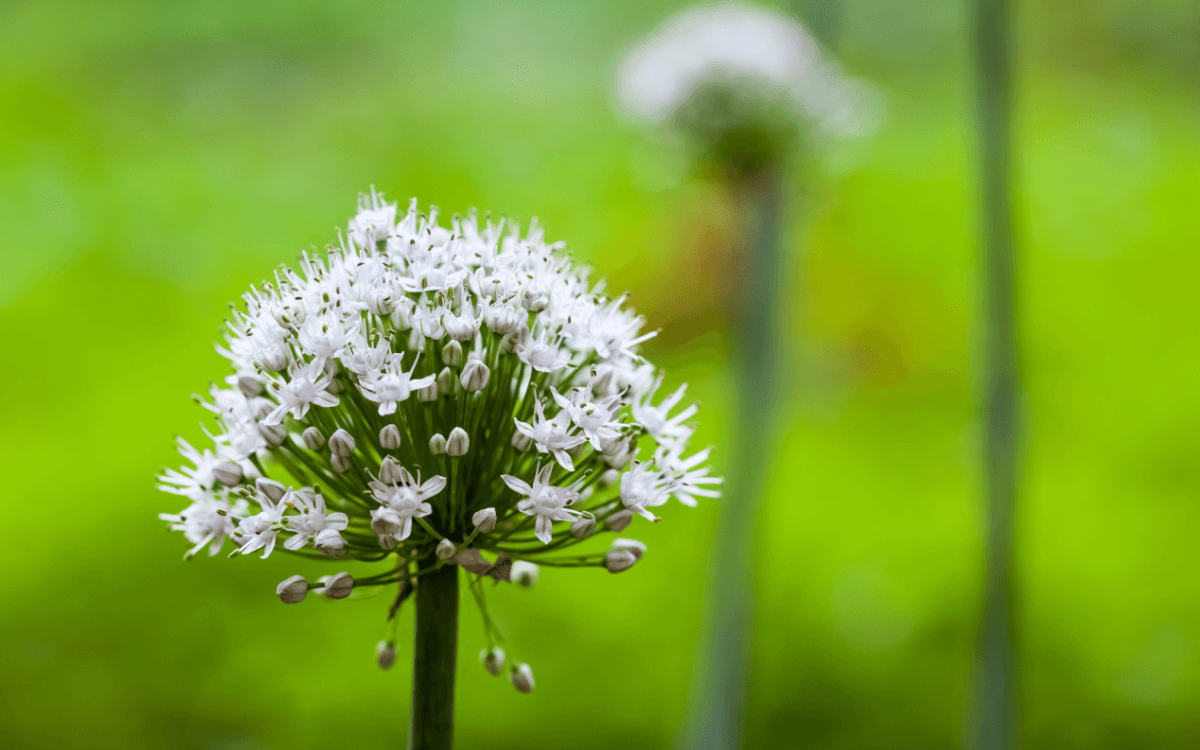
433,396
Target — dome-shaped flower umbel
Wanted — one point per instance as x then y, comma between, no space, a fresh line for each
348,369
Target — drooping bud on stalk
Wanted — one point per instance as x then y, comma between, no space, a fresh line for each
583,527
227,473
474,376
619,520
385,654
330,542
437,444
272,489
617,560
341,443
492,660
389,438
525,574
274,434
389,471
484,520
522,678
443,381
313,439
339,586
292,590
452,353
445,549
458,443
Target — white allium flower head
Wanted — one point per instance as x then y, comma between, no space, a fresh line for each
741,44
350,371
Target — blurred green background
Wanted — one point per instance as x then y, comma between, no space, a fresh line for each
156,158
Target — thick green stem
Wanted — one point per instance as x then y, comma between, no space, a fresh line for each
719,691
996,704
434,660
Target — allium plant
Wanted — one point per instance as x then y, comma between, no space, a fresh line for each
434,399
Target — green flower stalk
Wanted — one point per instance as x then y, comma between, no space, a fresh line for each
436,399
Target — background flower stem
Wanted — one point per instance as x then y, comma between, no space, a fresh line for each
719,692
434,659
996,713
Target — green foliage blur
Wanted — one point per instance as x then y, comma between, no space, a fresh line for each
156,158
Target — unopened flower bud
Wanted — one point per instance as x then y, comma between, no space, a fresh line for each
274,359
341,443
521,441
385,654
227,473
458,443
249,385
330,542
381,303
389,471
610,477
636,548
522,678
428,393
474,376
339,586
525,574
503,320
443,380
452,354
416,340
389,437
437,444
583,527
535,298
617,560
445,549
340,464
619,520
492,660
273,434
292,590
272,489
508,344
335,386
484,520
313,439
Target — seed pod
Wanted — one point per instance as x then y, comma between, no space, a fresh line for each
227,473
341,443
452,354
389,437
339,586
492,660
292,590
313,439
522,678
458,443
385,654
484,520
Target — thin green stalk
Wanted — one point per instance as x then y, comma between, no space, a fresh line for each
996,704
719,692
434,659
